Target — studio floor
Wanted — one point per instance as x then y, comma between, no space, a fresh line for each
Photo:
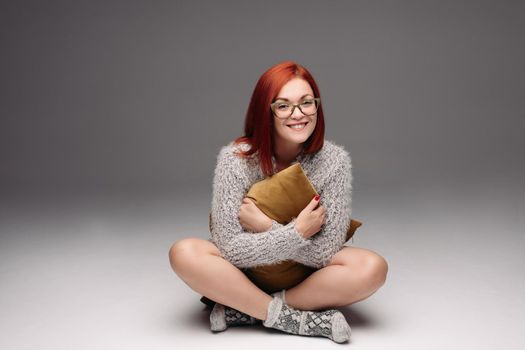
92,272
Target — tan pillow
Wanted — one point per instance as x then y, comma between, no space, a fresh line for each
285,194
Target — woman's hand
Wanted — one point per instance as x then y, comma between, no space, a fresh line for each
310,220
252,218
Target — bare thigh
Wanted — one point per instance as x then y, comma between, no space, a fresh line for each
353,274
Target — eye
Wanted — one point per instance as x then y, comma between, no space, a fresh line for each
283,106
307,102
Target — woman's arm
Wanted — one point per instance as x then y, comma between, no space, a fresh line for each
252,218
336,198
244,249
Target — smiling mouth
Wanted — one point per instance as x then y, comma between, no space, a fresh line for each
299,127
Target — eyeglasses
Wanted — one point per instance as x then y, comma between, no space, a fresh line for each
283,109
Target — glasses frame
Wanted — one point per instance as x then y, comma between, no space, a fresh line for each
317,103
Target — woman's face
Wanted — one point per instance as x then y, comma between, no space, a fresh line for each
294,92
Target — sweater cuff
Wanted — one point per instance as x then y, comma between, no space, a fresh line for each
298,238
275,225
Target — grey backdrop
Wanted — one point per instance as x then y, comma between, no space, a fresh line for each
136,95
113,113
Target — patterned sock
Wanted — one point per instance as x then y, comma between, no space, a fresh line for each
222,317
330,323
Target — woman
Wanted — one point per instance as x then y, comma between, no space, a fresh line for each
244,237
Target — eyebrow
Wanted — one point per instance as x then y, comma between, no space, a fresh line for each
282,98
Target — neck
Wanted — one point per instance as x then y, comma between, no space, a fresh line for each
286,153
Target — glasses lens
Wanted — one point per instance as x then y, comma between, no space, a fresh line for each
308,107
282,109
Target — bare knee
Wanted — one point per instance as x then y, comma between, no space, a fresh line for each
376,269
186,253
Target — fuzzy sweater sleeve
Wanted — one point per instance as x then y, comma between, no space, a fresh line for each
336,198
245,249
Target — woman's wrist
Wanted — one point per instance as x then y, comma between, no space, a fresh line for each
298,229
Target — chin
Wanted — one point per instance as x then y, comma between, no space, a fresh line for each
299,139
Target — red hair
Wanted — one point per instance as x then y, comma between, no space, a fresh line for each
259,122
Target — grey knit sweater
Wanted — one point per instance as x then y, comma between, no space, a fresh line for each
329,170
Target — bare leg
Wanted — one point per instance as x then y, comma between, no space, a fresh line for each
352,275
199,264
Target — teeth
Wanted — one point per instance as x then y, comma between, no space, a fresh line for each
297,126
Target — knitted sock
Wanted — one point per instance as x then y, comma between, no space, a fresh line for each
330,323
222,317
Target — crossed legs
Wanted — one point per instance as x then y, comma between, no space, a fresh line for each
352,275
